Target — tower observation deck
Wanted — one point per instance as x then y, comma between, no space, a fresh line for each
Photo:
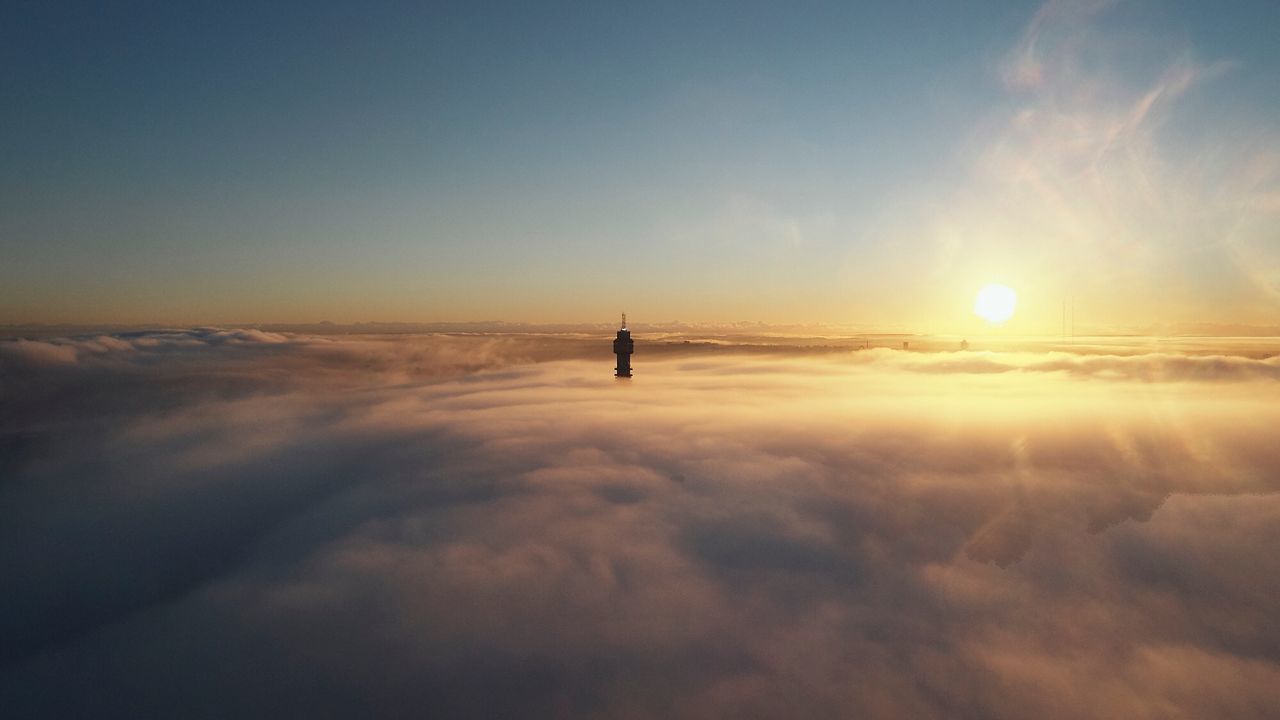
623,346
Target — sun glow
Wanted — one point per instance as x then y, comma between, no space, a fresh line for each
995,303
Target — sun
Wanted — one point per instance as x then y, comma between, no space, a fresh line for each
995,303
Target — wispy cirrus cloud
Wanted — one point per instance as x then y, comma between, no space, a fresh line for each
1104,174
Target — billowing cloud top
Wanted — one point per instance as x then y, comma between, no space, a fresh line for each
252,524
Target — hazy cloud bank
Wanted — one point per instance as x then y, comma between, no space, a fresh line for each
238,523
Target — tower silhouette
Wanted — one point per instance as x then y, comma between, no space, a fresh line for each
622,347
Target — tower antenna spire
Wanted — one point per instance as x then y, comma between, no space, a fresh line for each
624,321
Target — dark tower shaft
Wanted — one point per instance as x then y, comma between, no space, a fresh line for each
623,346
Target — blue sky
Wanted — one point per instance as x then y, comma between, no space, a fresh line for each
831,162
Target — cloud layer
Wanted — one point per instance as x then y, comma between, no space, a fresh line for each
239,523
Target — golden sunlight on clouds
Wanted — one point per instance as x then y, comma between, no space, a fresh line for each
758,527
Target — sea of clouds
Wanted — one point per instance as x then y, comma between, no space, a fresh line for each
237,523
